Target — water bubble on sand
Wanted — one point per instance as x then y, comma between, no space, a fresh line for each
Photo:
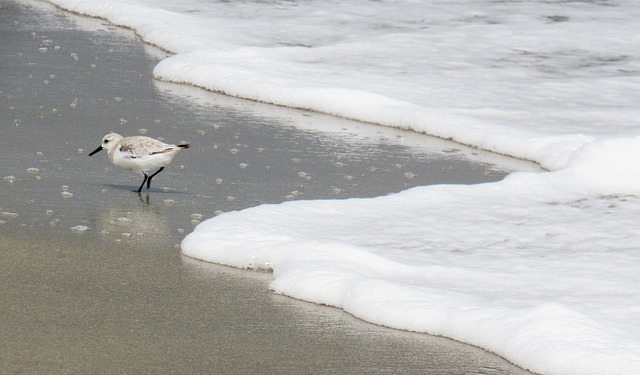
180,230
43,49
295,160
292,195
122,121
123,221
168,202
49,212
409,175
9,179
243,165
66,194
336,190
74,56
65,187
9,214
304,175
233,151
201,132
197,216
33,170
142,131
3,222
80,151
372,169
348,177
74,103
56,48
219,181
54,223
217,212
39,154
117,99
260,150
80,228
339,164
231,198
195,222
127,235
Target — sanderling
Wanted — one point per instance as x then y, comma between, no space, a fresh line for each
139,153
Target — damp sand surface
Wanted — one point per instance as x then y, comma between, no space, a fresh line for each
92,274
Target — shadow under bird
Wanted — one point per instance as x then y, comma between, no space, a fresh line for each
139,153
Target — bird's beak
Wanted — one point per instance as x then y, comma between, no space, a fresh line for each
96,150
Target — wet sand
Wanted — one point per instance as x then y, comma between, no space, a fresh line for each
93,279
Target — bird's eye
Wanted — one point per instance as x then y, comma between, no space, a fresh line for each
106,141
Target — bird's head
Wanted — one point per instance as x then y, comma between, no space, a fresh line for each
108,142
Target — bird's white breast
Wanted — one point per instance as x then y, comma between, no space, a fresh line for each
144,162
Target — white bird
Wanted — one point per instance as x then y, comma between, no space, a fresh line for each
139,153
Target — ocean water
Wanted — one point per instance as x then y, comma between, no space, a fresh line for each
542,269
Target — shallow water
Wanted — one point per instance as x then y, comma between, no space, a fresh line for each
94,279
71,88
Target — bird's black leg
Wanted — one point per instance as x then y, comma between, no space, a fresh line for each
143,181
150,177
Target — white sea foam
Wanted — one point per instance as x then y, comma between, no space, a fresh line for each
540,268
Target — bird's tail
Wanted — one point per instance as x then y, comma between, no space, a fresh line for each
172,148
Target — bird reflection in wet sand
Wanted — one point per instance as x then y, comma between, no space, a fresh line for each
142,221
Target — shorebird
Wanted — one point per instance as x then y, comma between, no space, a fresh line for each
139,153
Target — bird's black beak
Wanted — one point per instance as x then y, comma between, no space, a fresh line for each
96,150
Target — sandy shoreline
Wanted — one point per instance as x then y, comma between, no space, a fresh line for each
119,297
